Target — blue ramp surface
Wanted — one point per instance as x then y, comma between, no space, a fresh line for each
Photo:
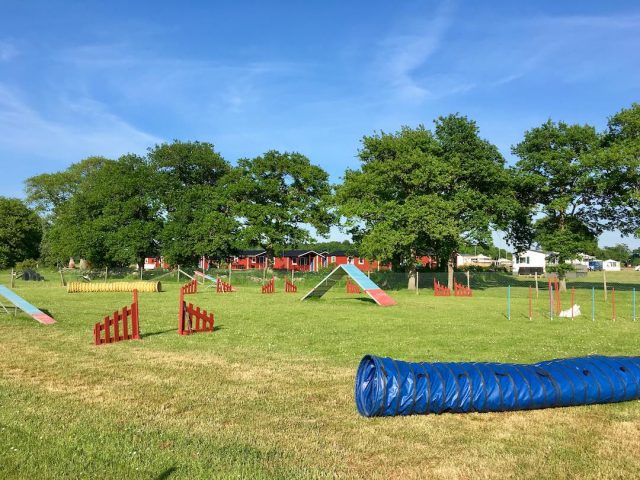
387,387
358,276
25,306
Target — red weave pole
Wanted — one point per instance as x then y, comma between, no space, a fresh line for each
613,303
559,298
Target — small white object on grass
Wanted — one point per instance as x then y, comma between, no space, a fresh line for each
567,313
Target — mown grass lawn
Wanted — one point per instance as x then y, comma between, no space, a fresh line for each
270,393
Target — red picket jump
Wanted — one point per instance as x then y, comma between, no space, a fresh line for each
460,290
188,313
191,287
352,287
120,318
270,287
223,287
440,290
289,287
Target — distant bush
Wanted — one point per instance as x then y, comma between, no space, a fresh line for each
29,264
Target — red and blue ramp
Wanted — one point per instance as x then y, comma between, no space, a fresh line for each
25,306
358,276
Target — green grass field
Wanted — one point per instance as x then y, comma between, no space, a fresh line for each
269,394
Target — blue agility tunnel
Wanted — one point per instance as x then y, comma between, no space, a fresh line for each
387,387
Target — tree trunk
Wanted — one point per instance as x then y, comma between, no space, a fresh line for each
413,282
563,284
451,263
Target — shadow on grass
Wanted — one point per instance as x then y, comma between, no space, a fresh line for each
159,332
166,474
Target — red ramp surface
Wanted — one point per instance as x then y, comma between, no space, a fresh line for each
25,306
380,297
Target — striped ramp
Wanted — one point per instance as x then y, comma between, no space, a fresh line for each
358,276
25,306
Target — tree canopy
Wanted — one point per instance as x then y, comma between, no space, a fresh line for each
419,191
20,232
196,207
277,197
579,183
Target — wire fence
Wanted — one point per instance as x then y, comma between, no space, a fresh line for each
624,281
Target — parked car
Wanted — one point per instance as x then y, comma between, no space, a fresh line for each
595,265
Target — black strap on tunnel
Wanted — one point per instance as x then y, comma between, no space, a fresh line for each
604,374
415,388
395,364
556,388
444,386
428,380
524,377
455,379
614,369
484,385
384,387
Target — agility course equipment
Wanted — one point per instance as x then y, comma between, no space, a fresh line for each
439,290
25,306
190,287
289,286
188,313
387,387
120,332
78,287
365,283
270,286
223,287
203,276
352,287
460,290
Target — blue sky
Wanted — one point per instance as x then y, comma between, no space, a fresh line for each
107,78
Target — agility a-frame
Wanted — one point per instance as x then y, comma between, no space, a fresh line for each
357,276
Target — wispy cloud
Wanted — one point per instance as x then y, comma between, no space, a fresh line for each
8,51
405,52
82,128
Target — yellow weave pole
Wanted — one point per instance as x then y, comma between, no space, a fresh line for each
80,287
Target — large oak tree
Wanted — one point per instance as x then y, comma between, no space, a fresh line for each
419,191
277,197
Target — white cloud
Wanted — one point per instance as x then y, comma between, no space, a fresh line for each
82,128
406,51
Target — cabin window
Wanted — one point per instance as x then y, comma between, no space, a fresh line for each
303,261
527,260
294,261
253,259
333,259
361,261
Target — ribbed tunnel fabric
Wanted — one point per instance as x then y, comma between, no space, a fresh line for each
387,387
